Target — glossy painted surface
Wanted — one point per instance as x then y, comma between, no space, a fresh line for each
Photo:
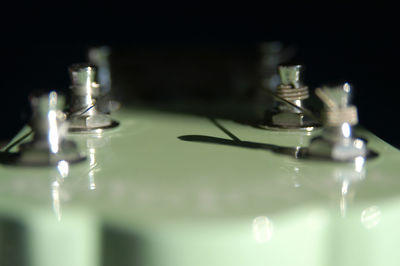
173,189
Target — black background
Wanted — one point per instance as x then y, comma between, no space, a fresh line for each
356,43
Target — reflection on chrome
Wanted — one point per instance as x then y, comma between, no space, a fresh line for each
370,217
346,88
52,119
263,229
346,130
53,131
56,123
55,195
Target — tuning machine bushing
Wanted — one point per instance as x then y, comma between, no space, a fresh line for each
48,145
84,114
289,112
339,116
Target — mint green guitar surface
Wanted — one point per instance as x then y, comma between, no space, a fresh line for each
166,189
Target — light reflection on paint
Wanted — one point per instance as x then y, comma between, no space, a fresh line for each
296,183
92,166
345,187
55,195
263,229
93,143
349,175
63,168
371,217
343,199
359,163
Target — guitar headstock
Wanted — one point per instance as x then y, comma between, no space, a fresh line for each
171,188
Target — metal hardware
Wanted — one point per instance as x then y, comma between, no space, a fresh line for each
48,123
84,114
290,112
100,57
337,141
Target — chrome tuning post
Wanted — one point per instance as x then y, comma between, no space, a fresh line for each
84,114
289,112
100,57
337,141
48,123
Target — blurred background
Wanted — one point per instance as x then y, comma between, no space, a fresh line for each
206,53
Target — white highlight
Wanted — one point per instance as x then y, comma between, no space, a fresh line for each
53,131
263,229
55,194
346,130
371,217
53,137
63,168
92,165
346,87
358,143
359,162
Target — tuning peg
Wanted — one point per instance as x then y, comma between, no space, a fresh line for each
84,114
289,112
339,116
100,57
291,75
49,128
